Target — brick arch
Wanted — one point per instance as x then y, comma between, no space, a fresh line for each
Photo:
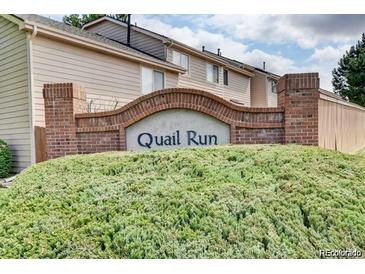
182,98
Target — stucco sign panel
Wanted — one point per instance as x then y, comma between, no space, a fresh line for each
176,128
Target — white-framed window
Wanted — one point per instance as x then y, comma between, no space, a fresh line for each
273,86
225,77
152,80
180,59
212,73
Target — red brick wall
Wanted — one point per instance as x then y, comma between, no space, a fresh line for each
70,130
92,142
299,95
259,135
61,103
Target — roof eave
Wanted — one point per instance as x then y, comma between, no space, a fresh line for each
14,19
124,24
274,77
94,22
268,74
252,68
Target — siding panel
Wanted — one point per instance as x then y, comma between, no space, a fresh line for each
14,96
259,90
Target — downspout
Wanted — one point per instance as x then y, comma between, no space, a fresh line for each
169,44
29,37
34,32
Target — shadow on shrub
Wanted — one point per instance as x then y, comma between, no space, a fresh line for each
5,159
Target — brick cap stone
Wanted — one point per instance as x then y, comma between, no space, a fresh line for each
63,90
298,81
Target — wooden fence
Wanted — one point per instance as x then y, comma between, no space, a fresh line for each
40,144
341,124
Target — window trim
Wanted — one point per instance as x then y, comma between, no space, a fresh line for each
273,84
181,53
153,84
206,73
225,71
163,80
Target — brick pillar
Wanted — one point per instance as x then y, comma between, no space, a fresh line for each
61,103
299,95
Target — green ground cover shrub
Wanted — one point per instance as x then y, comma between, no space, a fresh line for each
361,152
5,159
220,202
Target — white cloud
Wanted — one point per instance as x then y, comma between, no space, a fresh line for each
305,30
275,63
329,53
324,60
281,65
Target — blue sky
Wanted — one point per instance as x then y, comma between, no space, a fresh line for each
287,43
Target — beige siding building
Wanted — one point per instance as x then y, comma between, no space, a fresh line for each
15,110
36,50
237,86
263,89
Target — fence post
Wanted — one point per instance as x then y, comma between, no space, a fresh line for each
299,95
61,103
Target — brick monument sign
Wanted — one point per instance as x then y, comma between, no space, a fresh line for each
179,117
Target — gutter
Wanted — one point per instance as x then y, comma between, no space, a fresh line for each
169,43
99,46
35,31
269,75
29,37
